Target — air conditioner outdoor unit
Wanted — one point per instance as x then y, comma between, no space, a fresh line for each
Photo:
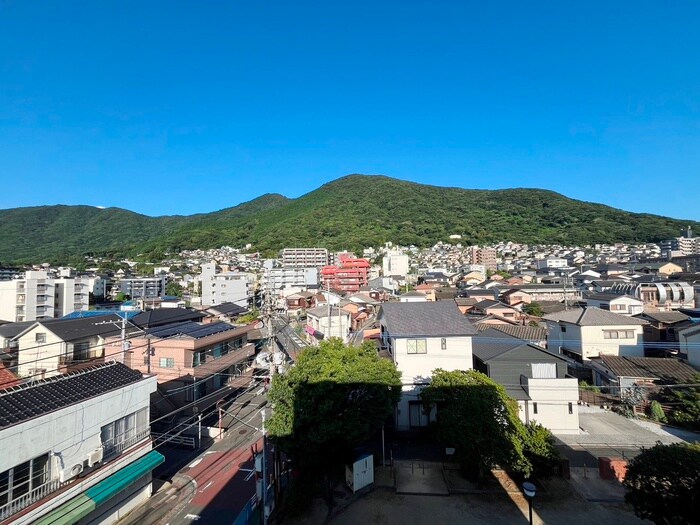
95,456
70,473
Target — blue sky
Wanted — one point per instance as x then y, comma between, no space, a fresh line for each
182,107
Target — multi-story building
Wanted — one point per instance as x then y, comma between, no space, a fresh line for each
686,244
77,447
191,360
395,264
485,256
304,257
286,280
349,275
37,296
226,287
143,287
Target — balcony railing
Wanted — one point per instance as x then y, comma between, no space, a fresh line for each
112,450
25,500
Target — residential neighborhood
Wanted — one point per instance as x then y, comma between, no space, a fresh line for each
542,322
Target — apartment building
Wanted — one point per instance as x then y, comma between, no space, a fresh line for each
286,280
484,256
142,287
349,275
226,287
36,296
304,257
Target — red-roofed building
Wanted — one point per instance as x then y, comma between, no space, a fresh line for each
349,275
7,378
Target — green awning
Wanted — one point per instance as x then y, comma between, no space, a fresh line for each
120,480
70,512
82,505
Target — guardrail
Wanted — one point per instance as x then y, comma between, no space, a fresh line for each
188,441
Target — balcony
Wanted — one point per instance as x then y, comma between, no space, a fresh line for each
31,497
215,365
112,450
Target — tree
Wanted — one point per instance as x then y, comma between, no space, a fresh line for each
663,483
173,289
686,401
476,416
333,400
534,309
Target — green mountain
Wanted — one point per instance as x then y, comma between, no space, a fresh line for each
351,212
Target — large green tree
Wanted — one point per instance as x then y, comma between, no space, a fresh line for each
663,484
333,399
476,416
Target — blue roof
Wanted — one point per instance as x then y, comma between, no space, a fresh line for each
97,313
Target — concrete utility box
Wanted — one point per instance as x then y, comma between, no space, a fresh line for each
360,473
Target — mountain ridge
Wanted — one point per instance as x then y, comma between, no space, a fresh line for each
351,212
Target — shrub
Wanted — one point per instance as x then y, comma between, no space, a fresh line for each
656,412
539,449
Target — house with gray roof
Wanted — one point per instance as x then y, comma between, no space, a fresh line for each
583,333
533,376
420,337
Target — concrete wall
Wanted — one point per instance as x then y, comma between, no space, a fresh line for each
553,398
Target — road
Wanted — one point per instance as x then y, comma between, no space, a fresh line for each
213,488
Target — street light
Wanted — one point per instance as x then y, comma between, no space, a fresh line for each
530,490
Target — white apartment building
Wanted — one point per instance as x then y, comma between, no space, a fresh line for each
396,264
36,296
552,262
226,287
78,447
304,257
142,287
286,280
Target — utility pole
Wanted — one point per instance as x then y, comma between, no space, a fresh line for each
264,469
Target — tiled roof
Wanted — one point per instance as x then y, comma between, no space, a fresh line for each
431,319
666,317
667,370
30,400
7,378
72,329
526,333
593,317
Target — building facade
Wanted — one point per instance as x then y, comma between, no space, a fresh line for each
81,450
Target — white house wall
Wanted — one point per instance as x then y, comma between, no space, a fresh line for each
553,398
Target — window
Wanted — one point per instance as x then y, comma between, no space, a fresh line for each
167,362
24,478
41,337
81,351
534,408
618,334
124,432
544,370
571,408
416,346
562,327
443,344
